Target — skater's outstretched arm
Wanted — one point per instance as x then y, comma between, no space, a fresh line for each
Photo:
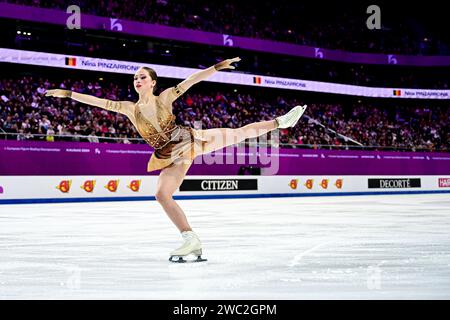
124,107
171,94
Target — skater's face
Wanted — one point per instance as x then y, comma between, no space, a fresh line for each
143,82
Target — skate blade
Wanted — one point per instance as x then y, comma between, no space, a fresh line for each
178,259
303,109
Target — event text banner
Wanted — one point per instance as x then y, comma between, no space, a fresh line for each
236,78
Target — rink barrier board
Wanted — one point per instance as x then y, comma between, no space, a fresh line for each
39,158
212,197
48,189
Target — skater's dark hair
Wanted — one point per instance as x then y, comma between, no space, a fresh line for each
153,75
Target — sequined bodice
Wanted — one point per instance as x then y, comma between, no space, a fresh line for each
158,132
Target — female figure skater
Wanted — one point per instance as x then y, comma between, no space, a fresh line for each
176,146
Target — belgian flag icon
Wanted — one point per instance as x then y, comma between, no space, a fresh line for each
71,61
397,93
257,80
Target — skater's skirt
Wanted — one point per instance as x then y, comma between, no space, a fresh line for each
182,149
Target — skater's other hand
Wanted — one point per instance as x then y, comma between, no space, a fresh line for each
226,64
58,93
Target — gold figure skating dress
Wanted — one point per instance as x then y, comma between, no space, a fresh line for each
172,143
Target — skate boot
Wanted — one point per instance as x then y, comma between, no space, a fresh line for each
191,246
291,118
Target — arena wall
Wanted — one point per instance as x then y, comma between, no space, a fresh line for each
32,171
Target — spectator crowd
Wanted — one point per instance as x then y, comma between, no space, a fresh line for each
26,114
326,25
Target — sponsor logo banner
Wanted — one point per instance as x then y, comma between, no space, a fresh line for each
219,184
324,183
111,185
397,183
444,182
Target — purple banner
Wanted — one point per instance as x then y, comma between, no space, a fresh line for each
71,158
158,31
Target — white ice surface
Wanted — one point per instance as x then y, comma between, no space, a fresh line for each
361,247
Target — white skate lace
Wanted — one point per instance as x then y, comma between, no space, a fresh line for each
187,236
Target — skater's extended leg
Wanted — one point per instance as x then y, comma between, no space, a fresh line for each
223,137
168,182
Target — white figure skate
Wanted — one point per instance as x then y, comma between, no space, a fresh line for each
291,118
191,246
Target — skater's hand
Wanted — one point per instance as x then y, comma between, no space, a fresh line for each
226,64
58,93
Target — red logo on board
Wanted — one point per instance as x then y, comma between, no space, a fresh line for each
293,184
64,186
135,185
88,186
444,182
112,185
309,183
